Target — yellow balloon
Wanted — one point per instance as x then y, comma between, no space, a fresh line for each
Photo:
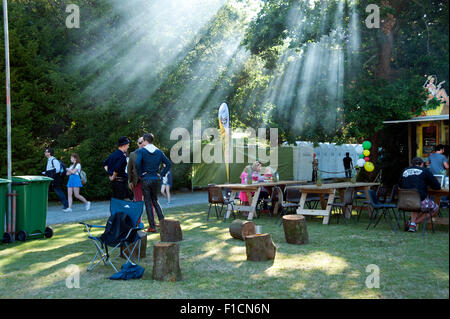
368,166
366,153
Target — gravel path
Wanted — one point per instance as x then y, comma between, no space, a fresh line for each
55,215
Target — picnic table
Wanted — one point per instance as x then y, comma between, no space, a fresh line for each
437,194
329,189
253,190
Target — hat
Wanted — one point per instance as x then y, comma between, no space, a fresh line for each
123,140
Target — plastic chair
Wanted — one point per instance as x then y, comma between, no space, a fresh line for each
127,238
377,207
348,200
285,205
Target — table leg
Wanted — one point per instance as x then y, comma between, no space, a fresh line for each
302,202
254,202
326,218
370,209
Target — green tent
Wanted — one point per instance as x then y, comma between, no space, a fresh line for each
215,173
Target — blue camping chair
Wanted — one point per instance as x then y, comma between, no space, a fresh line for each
129,242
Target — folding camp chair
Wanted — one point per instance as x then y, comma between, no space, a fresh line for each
129,241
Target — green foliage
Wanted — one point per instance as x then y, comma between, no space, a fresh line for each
67,91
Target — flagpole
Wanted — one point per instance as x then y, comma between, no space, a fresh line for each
8,103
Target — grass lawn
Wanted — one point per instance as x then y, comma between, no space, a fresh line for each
214,265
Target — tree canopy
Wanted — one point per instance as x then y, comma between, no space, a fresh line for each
313,69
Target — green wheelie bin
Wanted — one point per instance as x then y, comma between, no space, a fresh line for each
31,206
3,204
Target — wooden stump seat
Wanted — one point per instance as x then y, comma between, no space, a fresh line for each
295,230
170,230
260,247
240,229
166,262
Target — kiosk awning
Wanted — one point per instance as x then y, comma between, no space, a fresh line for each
420,119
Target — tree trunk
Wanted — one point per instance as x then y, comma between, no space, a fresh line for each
240,229
384,57
166,265
295,230
170,230
260,247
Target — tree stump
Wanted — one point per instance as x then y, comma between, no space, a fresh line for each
260,247
295,230
166,264
170,230
240,229
143,250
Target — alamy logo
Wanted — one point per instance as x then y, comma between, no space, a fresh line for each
73,280
373,280
373,19
73,19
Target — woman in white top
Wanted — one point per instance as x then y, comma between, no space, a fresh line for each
74,183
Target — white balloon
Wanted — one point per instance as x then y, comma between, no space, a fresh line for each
359,149
360,162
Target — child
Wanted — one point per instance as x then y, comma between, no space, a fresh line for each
74,183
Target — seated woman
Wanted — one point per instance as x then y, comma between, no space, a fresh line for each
257,177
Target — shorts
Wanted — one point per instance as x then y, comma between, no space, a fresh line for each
429,206
167,180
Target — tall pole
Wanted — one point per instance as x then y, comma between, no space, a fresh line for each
8,103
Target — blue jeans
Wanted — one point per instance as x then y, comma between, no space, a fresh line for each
62,197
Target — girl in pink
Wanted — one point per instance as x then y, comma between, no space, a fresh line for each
244,180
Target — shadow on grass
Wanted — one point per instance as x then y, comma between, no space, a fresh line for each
214,265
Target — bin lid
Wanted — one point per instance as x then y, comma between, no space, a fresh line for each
4,181
22,179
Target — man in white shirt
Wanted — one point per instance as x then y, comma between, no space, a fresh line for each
52,171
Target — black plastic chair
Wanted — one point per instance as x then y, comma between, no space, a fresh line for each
378,207
342,207
285,205
216,198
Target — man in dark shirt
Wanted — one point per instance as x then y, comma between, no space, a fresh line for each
348,165
148,162
420,178
115,165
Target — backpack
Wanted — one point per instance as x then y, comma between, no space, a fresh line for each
83,177
62,169
116,229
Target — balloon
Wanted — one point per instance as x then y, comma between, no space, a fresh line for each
359,149
366,159
366,152
366,145
361,155
369,166
361,162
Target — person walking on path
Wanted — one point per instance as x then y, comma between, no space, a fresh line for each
148,161
115,166
74,183
166,185
52,170
348,165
